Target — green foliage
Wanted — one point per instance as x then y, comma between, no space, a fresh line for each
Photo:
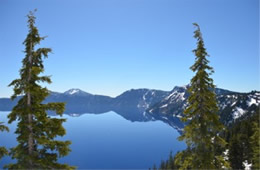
183,160
36,131
3,127
168,164
3,150
243,139
236,153
255,144
202,131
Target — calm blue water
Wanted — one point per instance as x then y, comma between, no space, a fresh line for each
110,141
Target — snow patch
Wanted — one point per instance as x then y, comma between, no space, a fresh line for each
247,165
226,154
178,116
252,101
74,114
181,96
233,103
73,91
170,96
223,106
165,105
76,92
164,117
212,139
175,97
238,112
145,105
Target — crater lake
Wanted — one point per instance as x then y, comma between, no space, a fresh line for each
110,141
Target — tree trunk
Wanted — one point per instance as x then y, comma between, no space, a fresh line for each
30,137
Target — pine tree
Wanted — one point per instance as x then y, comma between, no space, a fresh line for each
3,150
163,165
170,164
243,141
37,147
202,131
255,144
236,152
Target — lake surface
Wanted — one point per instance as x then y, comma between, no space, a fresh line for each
109,141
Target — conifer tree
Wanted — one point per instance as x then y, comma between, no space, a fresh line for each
3,150
36,131
202,131
154,167
255,144
163,165
243,141
236,152
170,164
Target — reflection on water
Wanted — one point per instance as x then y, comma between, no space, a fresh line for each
137,115
113,139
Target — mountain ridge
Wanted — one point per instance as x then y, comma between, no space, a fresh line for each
142,105
232,105
137,104
77,90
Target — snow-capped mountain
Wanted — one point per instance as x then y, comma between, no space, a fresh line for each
145,104
174,103
138,99
236,106
76,92
232,105
149,105
78,101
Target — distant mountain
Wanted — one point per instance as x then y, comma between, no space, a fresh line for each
173,104
76,92
78,101
138,99
232,105
238,106
6,104
147,104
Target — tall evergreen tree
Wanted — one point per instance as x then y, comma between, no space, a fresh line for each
170,164
236,151
3,150
243,141
202,132
37,147
255,144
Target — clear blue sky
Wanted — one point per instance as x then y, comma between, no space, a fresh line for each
109,46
